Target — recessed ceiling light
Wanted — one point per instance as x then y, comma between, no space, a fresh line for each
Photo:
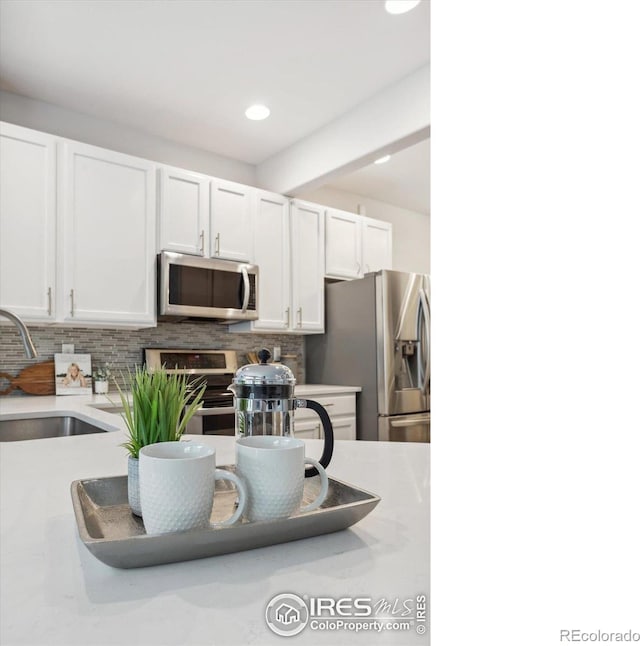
400,6
382,160
257,112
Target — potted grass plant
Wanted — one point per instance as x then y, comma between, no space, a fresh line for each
161,405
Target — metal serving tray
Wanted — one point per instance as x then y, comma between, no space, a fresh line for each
118,538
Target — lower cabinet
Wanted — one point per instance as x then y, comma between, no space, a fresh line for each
344,428
342,412
307,430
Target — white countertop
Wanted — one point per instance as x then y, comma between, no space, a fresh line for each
84,406
313,390
53,591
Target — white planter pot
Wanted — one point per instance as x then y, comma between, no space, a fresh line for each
101,387
133,486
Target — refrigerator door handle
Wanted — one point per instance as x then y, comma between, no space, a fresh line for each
424,320
414,421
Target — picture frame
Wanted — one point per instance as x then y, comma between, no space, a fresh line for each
73,374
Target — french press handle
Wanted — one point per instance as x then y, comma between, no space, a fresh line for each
327,427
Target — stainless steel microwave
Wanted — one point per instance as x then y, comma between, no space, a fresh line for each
196,287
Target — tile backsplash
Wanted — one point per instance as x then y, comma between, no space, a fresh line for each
122,349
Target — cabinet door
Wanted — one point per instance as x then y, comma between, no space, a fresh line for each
307,430
376,245
271,254
27,222
344,428
231,221
184,211
108,253
307,267
343,244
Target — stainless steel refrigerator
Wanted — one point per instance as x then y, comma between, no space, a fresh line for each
377,335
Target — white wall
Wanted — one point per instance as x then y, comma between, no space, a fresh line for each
63,122
411,230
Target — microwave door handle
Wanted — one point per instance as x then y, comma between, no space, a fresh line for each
247,289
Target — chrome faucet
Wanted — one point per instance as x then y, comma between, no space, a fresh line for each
29,348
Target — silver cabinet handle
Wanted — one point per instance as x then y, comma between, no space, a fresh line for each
49,300
247,288
288,315
202,242
358,266
217,247
73,304
299,317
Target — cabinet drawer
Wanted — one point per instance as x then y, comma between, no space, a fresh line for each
335,405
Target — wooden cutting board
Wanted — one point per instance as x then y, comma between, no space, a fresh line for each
38,379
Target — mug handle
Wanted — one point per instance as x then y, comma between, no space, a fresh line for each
221,474
324,485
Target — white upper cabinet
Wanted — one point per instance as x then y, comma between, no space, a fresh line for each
108,233
183,211
80,227
307,267
376,245
356,245
27,223
272,255
343,254
232,211
289,250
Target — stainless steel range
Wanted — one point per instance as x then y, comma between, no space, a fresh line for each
217,367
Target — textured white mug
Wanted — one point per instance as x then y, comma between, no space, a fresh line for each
272,468
177,484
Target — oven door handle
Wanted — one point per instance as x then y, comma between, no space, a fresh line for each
221,410
247,289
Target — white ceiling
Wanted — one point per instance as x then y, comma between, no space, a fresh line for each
187,70
402,181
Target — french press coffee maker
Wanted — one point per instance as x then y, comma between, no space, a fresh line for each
264,404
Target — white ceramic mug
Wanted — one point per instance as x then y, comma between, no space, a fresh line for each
272,468
177,484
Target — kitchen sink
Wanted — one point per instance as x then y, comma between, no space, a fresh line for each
38,428
115,409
